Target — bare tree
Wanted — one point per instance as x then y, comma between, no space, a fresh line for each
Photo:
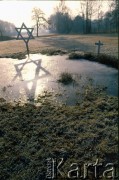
88,9
62,8
113,14
100,15
39,17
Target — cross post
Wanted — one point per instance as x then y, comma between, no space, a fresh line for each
99,44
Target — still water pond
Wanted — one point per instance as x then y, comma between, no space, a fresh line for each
27,78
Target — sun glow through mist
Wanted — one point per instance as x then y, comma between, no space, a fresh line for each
18,12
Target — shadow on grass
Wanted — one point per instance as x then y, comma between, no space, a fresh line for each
66,44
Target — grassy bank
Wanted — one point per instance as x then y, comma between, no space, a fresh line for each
31,133
101,58
60,44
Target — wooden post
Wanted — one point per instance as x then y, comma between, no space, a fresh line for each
99,44
27,47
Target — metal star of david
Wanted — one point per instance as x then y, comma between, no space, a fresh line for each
25,39
29,32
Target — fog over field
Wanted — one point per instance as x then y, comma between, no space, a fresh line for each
20,11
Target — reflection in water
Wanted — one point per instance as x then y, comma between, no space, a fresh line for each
30,77
30,82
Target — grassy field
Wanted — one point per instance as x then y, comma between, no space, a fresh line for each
32,132
84,43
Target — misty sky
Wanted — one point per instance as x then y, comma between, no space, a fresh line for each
20,11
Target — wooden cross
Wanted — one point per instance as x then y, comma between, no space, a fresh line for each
25,39
99,44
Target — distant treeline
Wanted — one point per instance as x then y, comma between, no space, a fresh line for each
62,22
6,38
7,30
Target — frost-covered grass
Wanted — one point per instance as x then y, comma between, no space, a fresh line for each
34,131
30,133
101,58
65,78
84,43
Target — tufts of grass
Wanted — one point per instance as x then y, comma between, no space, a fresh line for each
108,60
65,78
4,89
51,52
102,58
89,56
75,55
31,133
19,56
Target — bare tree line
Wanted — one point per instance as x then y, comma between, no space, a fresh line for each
61,20
6,29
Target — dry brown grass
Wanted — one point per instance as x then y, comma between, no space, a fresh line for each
84,43
16,46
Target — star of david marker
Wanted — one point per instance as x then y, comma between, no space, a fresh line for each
25,39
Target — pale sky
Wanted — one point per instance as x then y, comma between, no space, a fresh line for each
20,11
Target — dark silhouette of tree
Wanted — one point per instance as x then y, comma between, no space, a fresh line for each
1,35
78,23
110,21
61,21
6,29
99,18
114,15
88,9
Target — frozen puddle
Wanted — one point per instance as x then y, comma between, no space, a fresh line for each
22,79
